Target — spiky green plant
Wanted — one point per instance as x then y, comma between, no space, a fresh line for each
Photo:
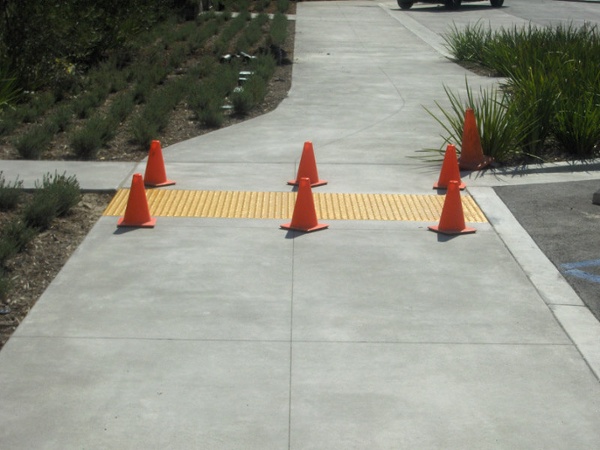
500,129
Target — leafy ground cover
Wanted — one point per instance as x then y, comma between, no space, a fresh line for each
26,274
178,70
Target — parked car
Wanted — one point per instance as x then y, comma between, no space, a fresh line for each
450,4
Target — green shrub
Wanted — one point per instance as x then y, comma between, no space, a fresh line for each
121,107
61,118
283,5
206,66
252,34
36,106
178,55
96,132
10,193
242,101
263,66
32,144
155,115
533,96
60,192
278,30
86,143
8,249
577,126
85,105
211,117
552,85
142,132
40,212
5,284
468,44
15,237
9,121
235,25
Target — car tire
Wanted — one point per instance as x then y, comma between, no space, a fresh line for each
452,4
497,3
404,4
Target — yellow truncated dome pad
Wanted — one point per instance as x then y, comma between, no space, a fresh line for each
280,205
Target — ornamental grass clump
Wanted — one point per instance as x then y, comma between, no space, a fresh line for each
32,144
54,197
500,129
63,191
96,132
551,83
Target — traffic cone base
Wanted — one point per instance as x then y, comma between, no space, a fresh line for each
471,155
304,217
155,175
449,170
465,230
165,183
149,224
290,226
452,221
437,185
318,183
137,213
308,167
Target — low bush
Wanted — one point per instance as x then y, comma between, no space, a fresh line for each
278,30
242,101
9,121
16,234
40,212
32,144
63,190
5,285
212,116
121,107
10,193
96,132
283,5
142,132
61,118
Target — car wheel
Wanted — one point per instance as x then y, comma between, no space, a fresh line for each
404,4
497,3
452,4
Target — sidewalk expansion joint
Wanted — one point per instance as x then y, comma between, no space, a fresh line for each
280,205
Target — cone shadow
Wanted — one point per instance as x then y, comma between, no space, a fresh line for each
124,230
445,237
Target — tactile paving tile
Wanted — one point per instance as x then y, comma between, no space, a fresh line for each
280,205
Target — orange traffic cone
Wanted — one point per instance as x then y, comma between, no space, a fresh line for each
137,213
156,175
449,170
471,155
452,220
305,216
308,167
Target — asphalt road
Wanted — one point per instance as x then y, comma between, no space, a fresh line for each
561,217
546,12
565,224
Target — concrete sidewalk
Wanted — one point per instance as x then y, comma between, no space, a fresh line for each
234,334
